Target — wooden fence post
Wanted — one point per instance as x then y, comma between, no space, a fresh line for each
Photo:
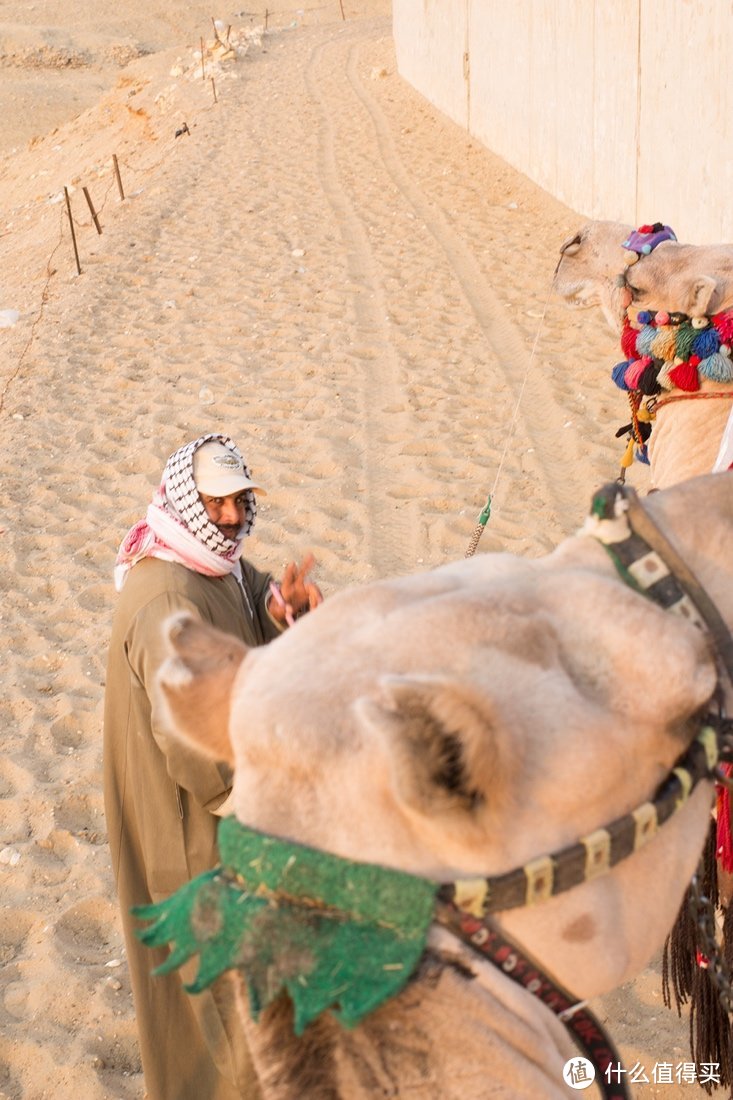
73,234
93,212
117,176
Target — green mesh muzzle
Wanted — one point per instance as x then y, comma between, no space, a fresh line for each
332,933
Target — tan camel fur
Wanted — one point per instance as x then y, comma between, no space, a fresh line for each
459,723
692,279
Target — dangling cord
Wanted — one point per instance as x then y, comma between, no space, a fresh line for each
484,516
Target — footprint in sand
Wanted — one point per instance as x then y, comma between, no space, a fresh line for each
85,932
82,815
15,929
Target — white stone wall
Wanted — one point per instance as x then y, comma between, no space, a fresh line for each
622,109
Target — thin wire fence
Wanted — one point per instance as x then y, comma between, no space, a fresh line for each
61,229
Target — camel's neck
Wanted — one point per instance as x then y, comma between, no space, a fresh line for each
408,1046
697,518
686,436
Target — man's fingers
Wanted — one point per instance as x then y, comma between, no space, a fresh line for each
307,564
297,591
291,572
315,597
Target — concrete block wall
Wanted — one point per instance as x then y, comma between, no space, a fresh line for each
622,110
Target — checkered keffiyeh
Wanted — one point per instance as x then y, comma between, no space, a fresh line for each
176,525
182,495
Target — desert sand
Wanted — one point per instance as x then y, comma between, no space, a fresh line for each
314,260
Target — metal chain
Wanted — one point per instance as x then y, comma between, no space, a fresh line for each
703,916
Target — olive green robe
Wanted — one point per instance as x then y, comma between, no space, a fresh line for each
159,801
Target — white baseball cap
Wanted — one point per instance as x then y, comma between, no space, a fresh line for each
218,471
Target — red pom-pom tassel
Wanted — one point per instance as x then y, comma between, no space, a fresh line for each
684,377
724,324
628,341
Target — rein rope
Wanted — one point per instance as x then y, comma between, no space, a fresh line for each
483,517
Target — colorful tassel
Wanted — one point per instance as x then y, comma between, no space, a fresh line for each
628,458
684,377
723,322
683,344
706,342
663,343
628,341
718,368
617,374
648,380
634,372
645,339
663,376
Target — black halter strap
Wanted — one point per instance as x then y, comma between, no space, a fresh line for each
646,560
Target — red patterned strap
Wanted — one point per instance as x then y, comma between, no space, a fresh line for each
484,937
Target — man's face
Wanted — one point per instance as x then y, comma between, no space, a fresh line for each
228,513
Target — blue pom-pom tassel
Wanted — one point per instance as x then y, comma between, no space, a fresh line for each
642,456
617,374
644,340
706,342
644,317
718,368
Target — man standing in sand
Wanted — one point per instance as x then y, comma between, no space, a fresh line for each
161,805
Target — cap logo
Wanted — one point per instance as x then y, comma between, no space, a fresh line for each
227,462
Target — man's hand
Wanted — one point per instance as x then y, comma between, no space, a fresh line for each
297,593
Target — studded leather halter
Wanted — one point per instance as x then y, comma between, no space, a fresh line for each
645,560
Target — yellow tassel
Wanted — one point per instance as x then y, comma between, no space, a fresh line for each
628,458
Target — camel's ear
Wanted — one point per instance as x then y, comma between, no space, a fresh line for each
703,296
195,683
440,741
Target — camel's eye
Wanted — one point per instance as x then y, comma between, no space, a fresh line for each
571,245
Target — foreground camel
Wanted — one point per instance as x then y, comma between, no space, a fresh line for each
457,724
696,280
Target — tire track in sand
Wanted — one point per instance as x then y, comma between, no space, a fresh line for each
557,456
391,532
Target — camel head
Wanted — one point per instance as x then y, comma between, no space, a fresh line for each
461,722
682,278
590,262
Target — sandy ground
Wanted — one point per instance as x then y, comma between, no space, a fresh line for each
327,269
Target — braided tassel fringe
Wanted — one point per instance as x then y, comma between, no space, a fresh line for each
686,977
710,1030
